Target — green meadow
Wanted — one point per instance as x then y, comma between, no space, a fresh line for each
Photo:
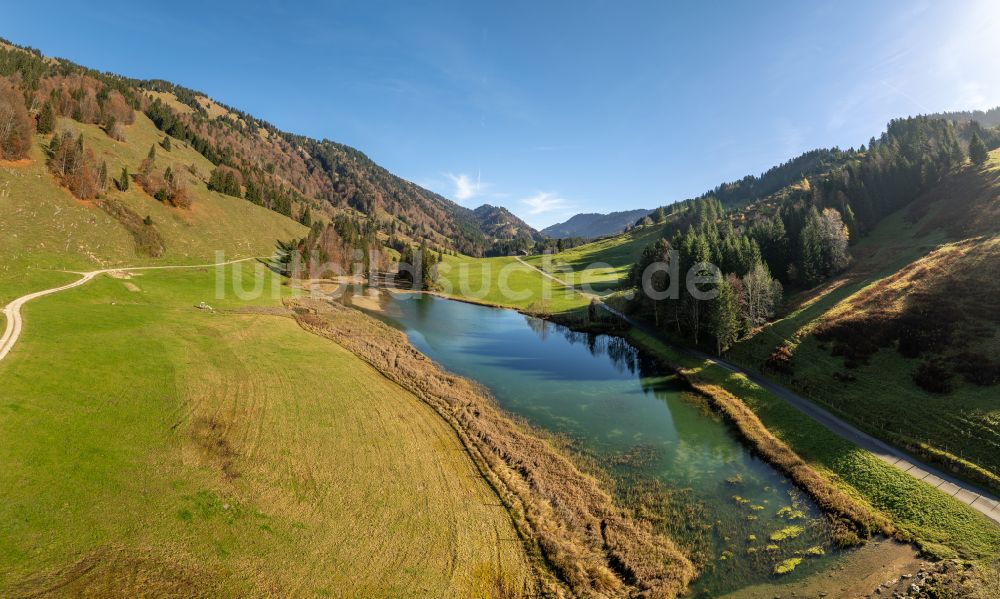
153,447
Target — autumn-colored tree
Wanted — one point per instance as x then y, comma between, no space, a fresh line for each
146,171
177,191
74,165
117,107
84,181
15,125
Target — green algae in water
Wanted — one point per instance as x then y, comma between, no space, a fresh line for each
790,513
788,532
787,565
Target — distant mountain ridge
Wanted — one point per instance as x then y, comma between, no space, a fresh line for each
593,224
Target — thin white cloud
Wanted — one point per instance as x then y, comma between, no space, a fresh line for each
544,201
465,187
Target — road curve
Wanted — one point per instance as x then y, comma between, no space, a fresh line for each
12,311
985,503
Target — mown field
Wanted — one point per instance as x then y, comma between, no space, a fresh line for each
43,228
152,447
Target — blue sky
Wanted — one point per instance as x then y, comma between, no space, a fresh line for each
552,108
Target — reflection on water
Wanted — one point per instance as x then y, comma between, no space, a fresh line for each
734,512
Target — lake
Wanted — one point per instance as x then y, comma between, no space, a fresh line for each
618,407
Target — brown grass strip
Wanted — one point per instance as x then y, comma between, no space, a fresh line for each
581,542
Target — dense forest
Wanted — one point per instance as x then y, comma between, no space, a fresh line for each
797,236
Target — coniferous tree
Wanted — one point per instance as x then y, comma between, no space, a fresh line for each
724,318
977,150
123,181
46,119
165,144
102,176
811,251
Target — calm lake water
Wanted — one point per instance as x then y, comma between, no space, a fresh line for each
638,422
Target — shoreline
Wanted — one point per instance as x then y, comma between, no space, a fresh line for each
582,543
853,521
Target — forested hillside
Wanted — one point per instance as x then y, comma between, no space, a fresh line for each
509,234
799,235
251,159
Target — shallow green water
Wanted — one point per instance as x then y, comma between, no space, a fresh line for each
638,422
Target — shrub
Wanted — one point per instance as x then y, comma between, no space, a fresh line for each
780,361
932,376
977,369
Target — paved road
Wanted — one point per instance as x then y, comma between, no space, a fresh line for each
985,503
12,311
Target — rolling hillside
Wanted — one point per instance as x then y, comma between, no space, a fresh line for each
45,229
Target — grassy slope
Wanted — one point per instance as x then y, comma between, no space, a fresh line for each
883,399
226,454
602,263
43,227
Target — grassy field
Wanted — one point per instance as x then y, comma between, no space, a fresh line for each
43,228
151,446
937,523
505,282
911,256
600,264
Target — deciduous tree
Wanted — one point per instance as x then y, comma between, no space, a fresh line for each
16,126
